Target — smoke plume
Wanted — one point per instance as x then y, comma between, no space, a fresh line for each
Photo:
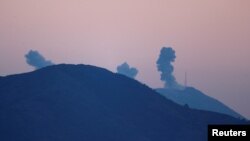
125,69
166,57
36,60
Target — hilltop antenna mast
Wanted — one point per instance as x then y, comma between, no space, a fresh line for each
185,80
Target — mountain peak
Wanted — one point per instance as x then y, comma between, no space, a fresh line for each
83,102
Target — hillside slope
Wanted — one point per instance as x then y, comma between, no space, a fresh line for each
197,100
81,102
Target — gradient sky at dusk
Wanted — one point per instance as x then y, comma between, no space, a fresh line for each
211,39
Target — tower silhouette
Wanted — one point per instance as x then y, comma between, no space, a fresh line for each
185,80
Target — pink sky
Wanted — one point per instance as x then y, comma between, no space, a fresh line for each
211,39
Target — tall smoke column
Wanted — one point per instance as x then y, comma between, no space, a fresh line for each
166,57
36,60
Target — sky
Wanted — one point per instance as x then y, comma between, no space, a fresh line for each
211,39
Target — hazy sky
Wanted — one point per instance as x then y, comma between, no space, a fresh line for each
211,39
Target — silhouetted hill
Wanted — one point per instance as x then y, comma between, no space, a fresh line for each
197,100
87,103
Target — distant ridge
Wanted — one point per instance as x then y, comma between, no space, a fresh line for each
197,100
87,103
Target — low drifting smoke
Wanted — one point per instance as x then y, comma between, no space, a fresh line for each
125,69
164,65
36,60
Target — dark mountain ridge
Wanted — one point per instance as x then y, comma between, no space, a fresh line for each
82,102
197,100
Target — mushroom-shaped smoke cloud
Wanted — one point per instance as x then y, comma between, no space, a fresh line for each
166,57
